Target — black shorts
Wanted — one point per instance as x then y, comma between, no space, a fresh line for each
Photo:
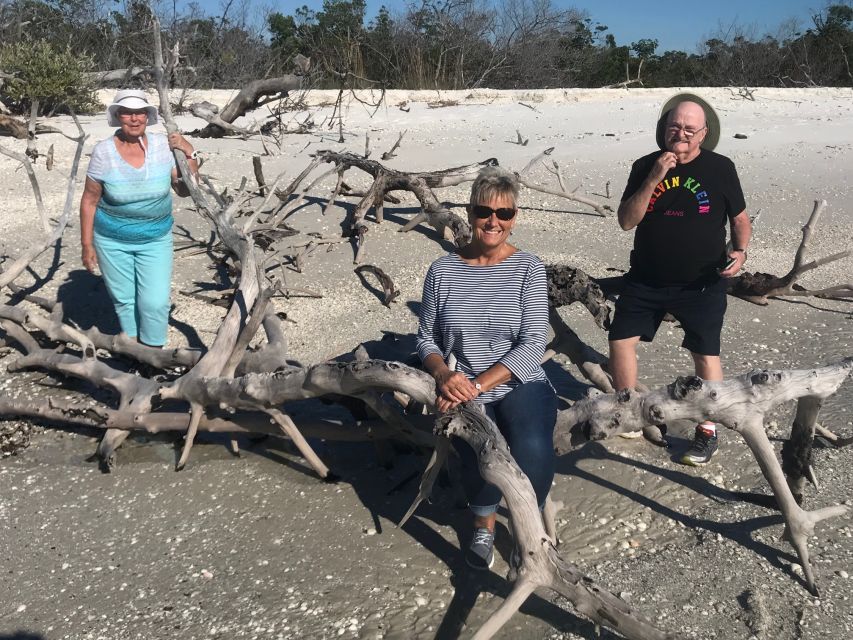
700,310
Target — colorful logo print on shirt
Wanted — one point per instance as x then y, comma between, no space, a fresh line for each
691,184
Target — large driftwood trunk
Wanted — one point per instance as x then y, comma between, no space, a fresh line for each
255,94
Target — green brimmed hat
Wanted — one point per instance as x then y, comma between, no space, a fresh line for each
712,136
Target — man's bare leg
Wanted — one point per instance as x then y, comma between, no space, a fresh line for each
705,442
623,368
623,363
708,367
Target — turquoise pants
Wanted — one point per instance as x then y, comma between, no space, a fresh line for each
138,276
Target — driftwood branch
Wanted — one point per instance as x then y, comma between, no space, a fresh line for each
760,287
602,210
421,184
740,404
254,95
541,564
390,292
23,261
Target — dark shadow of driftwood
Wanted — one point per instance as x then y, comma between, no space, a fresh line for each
387,498
86,302
39,281
739,531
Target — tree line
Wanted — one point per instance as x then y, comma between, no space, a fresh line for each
430,44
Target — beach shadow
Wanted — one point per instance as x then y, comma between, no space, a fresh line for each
739,531
86,302
22,635
415,307
40,281
845,312
371,483
189,332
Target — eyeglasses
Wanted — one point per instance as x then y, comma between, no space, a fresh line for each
128,115
688,133
484,212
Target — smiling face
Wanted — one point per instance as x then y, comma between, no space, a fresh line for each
491,233
685,130
132,121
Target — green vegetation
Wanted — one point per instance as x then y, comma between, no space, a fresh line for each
434,44
42,72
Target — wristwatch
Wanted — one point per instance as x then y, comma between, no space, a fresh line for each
192,156
478,386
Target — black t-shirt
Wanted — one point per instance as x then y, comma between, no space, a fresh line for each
682,238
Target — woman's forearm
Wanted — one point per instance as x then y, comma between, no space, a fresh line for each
492,377
88,204
435,365
87,224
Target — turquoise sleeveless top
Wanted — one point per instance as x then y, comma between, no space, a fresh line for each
136,204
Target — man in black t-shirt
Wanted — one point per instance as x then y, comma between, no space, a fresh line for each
680,200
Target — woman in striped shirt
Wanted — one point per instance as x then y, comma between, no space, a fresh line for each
487,305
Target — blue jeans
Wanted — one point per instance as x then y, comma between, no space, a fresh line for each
526,417
138,276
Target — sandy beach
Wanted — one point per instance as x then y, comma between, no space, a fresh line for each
258,547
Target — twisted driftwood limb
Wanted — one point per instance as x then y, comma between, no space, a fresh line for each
600,209
591,363
436,462
567,285
388,155
20,128
759,287
541,565
421,184
50,326
119,77
19,265
740,404
88,414
287,425
797,449
390,292
255,94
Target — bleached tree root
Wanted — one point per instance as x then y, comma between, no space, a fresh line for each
288,427
740,404
420,184
835,439
436,461
589,362
758,288
88,414
541,565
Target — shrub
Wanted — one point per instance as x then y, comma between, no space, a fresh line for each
55,77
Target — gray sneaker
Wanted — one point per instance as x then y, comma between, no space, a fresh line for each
480,554
702,450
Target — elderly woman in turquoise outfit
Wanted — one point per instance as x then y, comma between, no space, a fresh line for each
126,215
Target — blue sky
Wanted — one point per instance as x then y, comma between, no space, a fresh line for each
682,24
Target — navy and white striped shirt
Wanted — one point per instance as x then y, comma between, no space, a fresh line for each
487,314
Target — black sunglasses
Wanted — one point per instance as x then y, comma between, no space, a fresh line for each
483,212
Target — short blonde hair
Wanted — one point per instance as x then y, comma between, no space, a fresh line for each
492,183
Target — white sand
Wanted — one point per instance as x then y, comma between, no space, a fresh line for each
799,148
